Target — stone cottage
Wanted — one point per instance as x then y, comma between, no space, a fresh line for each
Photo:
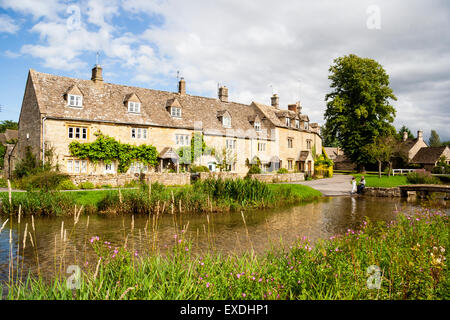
428,157
57,110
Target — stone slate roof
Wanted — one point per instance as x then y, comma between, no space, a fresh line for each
105,102
428,155
406,145
8,135
303,155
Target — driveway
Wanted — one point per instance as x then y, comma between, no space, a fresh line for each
338,185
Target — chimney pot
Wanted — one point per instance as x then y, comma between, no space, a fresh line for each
420,135
223,94
97,74
405,136
274,100
182,86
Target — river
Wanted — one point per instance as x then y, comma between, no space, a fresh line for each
221,232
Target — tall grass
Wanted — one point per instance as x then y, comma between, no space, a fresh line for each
212,195
410,253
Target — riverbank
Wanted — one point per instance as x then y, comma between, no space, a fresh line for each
209,195
405,259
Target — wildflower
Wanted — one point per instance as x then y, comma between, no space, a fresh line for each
175,236
207,284
238,275
179,241
260,279
187,249
135,253
253,278
244,295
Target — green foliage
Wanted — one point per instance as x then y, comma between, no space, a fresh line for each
66,184
404,129
434,140
254,169
8,124
422,178
41,180
107,149
441,166
86,185
195,169
26,166
283,170
358,108
198,147
2,155
383,149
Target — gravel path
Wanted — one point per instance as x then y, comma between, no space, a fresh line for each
338,185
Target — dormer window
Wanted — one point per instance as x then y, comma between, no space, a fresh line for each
297,124
75,100
134,107
306,125
288,122
175,112
258,126
226,122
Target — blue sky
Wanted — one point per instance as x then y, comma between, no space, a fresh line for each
253,47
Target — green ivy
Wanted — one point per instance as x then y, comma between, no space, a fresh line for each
107,149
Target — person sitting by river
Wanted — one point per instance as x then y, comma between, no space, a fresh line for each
354,190
362,185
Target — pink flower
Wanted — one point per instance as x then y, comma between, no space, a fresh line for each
244,295
187,249
207,284
238,275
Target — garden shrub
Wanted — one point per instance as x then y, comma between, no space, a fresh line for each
254,169
421,178
86,185
195,169
282,170
66,184
45,180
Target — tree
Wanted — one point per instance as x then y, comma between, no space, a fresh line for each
358,109
383,149
8,124
402,130
434,140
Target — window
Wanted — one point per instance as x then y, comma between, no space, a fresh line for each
306,125
182,140
308,144
226,121
134,107
288,122
258,126
109,167
261,146
78,133
290,162
76,166
230,167
139,133
297,124
138,167
75,101
175,112
290,142
230,144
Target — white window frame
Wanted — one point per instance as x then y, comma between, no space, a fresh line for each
134,107
175,112
290,164
109,168
226,121
139,133
297,124
288,121
182,140
261,146
76,166
75,100
306,125
230,144
77,133
309,144
258,126
290,143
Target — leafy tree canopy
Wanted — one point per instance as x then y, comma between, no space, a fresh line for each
358,107
402,130
434,140
8,124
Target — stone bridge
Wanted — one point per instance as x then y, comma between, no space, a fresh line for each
424,189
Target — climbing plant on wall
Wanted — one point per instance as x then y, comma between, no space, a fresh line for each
108,149
197,148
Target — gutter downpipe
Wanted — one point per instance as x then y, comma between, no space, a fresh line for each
43,141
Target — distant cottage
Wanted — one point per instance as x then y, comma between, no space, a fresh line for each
57,110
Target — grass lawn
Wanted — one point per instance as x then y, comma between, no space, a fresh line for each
303,192
384,181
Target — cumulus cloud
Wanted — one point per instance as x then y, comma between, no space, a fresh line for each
7,24
255,47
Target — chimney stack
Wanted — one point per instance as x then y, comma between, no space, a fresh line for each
405,135
420,135
182,86
223,94
274,100
295,107
97,74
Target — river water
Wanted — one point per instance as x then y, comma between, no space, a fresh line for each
221,232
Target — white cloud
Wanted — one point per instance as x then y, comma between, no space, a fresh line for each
7,24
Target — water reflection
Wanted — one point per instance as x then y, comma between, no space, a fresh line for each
224,232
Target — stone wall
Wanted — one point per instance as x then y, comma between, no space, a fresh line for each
220,175
121,179
382,192
168,179
279,177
